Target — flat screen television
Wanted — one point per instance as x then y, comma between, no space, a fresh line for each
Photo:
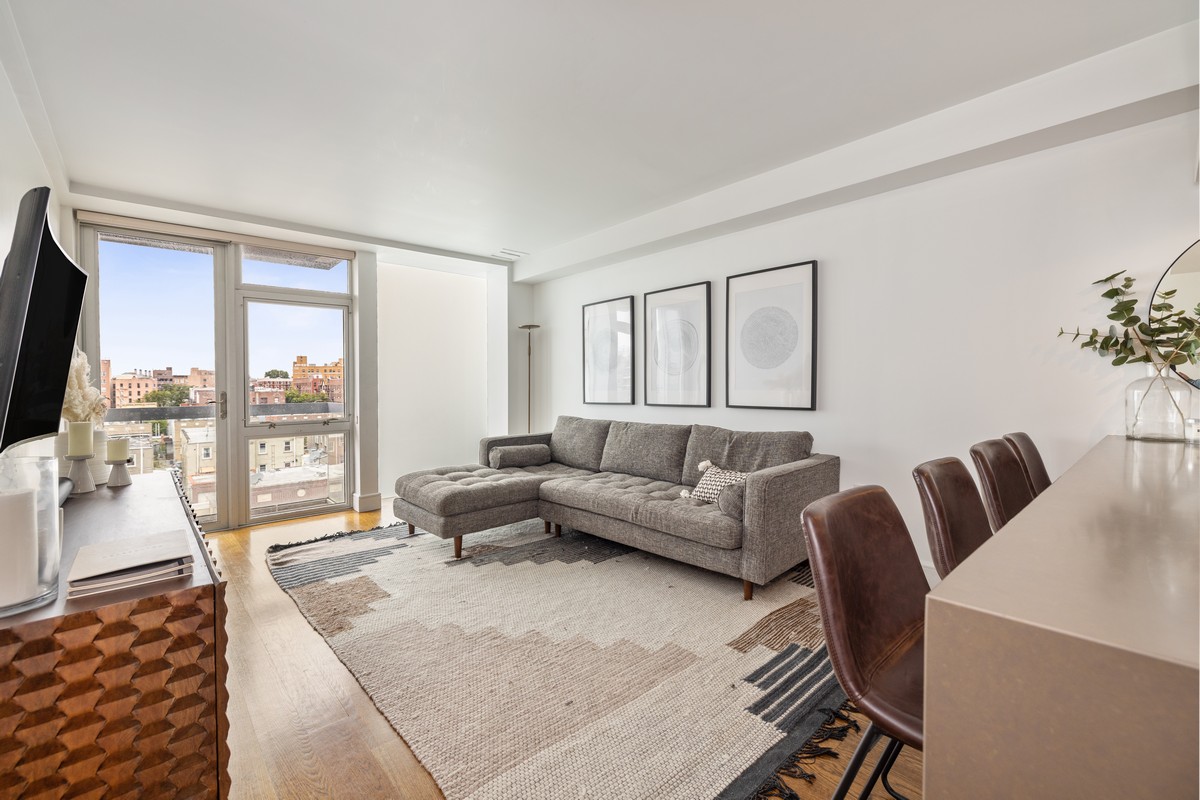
41,296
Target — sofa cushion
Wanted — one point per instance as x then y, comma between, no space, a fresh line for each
519,455
742,451
645,449
579,442
649,503
473,487
714,480
732,500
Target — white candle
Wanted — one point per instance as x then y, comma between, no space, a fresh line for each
118,449
79,439
19,543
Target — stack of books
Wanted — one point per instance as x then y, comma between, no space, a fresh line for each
129,562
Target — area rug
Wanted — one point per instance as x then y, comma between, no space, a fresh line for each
571,667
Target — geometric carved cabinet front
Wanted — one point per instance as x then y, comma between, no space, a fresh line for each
123,701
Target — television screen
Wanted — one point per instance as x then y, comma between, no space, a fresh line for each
41,296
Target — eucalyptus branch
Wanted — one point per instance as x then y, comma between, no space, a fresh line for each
1166,338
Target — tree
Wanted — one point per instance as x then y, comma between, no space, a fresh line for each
169,396
275,373
297,396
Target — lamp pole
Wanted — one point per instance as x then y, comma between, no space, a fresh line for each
529,329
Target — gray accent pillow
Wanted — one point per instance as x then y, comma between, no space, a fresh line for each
732,500
647,450
579,442
743,451
519,455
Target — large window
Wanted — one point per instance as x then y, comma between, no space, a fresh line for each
227,360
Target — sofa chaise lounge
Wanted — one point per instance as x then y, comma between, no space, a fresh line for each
623,481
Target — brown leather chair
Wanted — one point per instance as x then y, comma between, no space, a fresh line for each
871,591
1005,489
1031,461
955,519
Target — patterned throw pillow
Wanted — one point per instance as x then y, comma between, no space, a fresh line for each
712,482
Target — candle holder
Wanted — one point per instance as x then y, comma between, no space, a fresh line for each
81,474
119,476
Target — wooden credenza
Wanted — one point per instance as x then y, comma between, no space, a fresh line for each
119,695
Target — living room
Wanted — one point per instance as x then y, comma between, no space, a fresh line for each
960,176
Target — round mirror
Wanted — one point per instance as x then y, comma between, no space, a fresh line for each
1184,277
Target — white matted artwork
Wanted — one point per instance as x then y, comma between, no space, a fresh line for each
677,361
608,351
771,338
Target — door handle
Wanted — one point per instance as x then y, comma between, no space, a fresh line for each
222,405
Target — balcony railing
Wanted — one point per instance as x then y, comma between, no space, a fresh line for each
152,413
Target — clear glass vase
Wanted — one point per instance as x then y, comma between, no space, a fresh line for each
1157,405
30,539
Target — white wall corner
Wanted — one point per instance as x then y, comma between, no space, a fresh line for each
365,309
520,312
499,403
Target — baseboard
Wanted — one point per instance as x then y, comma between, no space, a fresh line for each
368,502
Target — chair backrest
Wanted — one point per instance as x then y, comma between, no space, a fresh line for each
870,585
955,520
1031,461
1005,489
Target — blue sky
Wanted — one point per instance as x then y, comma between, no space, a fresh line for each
156,311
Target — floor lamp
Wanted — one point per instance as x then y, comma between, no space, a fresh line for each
529,329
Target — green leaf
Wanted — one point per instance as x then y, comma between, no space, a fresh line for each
1119,360
1112,277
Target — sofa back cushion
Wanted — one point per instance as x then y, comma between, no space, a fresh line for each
646,450
579,442
742,451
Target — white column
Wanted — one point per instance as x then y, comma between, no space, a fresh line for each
365,311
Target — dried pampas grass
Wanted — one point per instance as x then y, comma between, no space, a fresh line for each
82,402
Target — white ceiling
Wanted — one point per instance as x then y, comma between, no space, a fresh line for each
473,125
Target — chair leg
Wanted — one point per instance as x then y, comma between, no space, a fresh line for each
864,746
557,529
458,547
747,590
887,771
546,522
884,764
412,529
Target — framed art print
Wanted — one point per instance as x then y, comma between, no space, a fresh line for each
608,351
771,338
677,363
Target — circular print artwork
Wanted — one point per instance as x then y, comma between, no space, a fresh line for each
678,347
769,337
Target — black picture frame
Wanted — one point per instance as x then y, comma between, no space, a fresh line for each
677,352
608,352
771,338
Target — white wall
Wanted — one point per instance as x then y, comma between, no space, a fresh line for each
938,306
21,166
432,370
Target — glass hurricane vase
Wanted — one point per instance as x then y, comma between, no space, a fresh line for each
1157,405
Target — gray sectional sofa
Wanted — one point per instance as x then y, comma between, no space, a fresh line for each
622,481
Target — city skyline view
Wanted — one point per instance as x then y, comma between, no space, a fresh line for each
139,333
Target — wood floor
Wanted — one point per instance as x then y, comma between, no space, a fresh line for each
301,727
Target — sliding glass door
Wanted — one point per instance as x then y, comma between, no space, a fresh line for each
227,362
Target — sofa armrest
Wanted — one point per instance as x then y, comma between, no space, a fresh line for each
772,539
488,442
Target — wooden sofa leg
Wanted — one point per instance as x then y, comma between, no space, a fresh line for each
412,529
547,523
557,529
747,590
458,547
